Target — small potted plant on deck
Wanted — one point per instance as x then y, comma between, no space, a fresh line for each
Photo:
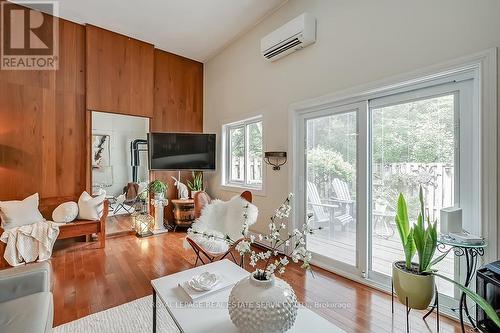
414,282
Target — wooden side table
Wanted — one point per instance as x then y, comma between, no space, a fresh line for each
183,212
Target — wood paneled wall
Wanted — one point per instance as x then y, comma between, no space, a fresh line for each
178,94
44,118
119,73
42,124
178,106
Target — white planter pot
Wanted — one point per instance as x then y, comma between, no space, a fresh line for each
262,306
160,196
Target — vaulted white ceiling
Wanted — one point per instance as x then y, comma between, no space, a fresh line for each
196,29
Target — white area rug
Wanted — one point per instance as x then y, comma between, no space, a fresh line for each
132,317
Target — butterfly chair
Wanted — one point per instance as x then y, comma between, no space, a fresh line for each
120,204
130,197
218,219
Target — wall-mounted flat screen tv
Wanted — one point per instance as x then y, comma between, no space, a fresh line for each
181,151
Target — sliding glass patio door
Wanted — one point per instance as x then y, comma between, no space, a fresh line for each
355,159
414,142
330,184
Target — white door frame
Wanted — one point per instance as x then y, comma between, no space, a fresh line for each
486,64
359,267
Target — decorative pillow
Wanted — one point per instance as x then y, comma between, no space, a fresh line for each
18,213
90,208
65,212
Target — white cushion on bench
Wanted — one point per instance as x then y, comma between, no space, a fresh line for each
90,208
65,212
17,213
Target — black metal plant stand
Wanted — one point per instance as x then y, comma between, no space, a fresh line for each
407,309
471,254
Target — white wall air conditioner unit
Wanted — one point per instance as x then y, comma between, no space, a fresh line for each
293,36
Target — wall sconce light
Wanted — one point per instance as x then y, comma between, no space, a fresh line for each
275,158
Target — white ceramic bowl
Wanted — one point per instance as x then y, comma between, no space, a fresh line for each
204,282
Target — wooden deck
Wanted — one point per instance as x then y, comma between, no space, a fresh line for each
340,245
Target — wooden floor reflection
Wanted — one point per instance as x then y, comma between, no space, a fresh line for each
89,280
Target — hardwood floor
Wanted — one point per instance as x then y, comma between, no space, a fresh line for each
88,280
119,224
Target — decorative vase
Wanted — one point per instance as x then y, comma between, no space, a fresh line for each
417,288
193,193
262,306
159,195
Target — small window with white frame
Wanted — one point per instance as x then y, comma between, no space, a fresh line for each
243,157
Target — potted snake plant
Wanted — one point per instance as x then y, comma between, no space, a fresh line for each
414,281
195,185
411,280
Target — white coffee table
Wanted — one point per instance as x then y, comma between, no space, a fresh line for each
210,314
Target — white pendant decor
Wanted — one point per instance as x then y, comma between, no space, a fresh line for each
262,306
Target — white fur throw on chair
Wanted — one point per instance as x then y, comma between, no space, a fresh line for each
221,218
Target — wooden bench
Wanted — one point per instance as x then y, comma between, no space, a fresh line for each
76,228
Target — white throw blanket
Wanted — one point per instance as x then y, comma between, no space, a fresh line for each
29,242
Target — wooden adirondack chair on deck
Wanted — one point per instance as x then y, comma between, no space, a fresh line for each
343,200
323,213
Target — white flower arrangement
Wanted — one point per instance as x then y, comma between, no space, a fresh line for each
277,226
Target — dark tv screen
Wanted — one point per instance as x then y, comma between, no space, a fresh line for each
181,151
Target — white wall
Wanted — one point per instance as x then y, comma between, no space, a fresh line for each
358,42
122,130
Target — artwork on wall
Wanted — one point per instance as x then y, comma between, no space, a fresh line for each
102,171
100,151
